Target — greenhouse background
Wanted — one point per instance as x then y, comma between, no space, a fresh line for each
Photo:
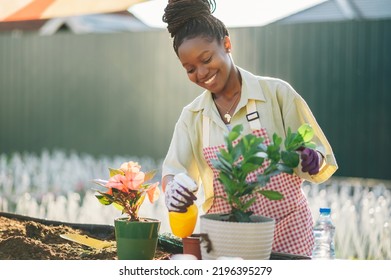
117,94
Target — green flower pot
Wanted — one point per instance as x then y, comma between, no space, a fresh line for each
136,240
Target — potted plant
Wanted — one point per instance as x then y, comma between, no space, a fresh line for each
127,187
241,156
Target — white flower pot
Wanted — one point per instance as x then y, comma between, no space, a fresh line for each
251,241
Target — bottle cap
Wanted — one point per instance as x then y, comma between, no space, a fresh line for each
325,210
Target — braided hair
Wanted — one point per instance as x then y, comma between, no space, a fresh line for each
187,19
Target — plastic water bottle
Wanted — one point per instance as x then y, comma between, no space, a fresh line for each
324,231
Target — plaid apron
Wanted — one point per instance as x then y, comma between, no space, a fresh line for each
293,232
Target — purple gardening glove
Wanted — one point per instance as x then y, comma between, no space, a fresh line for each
180,193
309,160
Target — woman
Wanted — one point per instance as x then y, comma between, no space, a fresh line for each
234,96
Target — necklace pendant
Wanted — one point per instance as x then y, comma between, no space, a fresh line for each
227,117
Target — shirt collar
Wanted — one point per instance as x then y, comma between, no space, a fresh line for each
251,89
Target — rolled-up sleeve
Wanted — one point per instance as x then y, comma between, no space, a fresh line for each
299,113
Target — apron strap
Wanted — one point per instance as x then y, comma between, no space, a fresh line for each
205,131
252,118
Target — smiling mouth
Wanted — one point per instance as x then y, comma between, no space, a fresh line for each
210,80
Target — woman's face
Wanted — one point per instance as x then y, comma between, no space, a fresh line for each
207,63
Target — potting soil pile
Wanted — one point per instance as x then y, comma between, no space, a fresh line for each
31,240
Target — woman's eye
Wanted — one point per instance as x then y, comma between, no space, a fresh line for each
207,60
189,71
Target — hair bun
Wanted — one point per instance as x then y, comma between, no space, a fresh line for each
178,12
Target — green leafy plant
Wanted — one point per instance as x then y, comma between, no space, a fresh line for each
236,161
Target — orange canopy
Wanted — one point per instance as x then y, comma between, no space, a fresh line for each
16,10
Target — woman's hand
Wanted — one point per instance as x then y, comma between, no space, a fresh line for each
180,193
310,160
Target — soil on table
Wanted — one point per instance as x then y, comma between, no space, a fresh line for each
30,240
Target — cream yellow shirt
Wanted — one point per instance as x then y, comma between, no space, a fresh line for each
279,107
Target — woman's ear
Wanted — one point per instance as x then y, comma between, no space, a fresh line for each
227,44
